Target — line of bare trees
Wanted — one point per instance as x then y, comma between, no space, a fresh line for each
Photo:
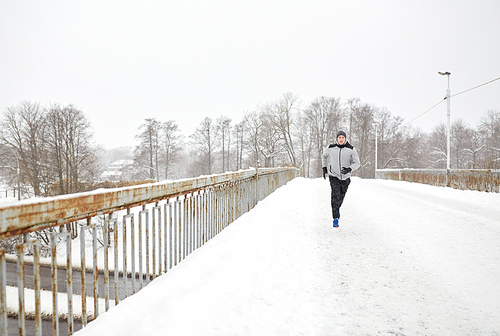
283,132
53,149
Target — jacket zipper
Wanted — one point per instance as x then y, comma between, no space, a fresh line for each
340,163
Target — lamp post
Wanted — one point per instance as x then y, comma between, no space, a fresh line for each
448,128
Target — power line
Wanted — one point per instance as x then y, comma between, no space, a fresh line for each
424,112
456,94
475,87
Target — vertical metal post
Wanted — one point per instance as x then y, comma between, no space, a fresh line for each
165,238
20,287
106,260
124,255
208,214
153,241
95,271
55,308
216,210
223,207
38,287
132,251
148,239
170,234
83,272
141,238
198,219
168,249
3,295
69,282
174,251
157,210
181,229
116,269
202,217
185,226
191,223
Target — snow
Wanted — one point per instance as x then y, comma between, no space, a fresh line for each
408,259
46,304
6,194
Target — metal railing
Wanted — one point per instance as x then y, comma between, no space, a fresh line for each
131,234
463,179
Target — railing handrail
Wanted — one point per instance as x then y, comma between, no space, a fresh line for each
35,214
464,179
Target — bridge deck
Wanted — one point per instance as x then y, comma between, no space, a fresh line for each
407,259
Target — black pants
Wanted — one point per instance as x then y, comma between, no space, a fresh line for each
339,189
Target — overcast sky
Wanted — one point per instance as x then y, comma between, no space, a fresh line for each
123,61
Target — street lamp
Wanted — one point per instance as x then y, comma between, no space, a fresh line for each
448,128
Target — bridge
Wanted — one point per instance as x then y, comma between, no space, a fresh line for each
407,259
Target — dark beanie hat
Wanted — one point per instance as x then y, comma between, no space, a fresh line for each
341,133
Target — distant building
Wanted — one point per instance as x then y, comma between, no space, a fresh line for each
118,171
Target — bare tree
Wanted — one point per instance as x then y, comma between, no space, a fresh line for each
70,150
23,131
224,131
392,140
146,154
204,141
414,153
362,133
254,125
171,145
353,104
475,150
281,116
489,127
271,146
437,145
239,135
461,144
305,146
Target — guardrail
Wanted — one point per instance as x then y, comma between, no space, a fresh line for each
133,234
463,179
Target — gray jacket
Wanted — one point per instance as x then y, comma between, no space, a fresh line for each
336,157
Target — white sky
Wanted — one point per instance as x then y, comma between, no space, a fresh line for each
123,61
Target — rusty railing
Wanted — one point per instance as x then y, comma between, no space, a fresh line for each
131,234
463,179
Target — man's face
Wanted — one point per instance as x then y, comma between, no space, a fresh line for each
341,140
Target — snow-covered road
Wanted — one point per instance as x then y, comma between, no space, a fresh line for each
408,259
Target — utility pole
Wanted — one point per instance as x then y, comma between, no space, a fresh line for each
448,128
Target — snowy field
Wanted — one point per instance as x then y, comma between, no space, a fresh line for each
6,194
408,259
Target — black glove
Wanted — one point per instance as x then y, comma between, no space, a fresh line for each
345,170
325,172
